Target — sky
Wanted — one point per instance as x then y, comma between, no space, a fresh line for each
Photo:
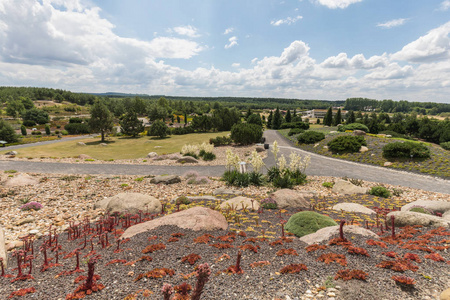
304,49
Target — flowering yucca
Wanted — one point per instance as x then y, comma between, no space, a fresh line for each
232,160
206,147
189,149
31,205
282,164
256,161
275,149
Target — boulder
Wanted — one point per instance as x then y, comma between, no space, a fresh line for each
259,149
81,144
287,198
166,179
445,295
446,216
345,187
353,207
102,204
434,206
387,164
326,233
363,149
175,156
14,245
103,144
152,154
25,221
21,180
224,191
11,153
133,203
84,156
359,132
195,218
3,248
237,203
187,160
405,218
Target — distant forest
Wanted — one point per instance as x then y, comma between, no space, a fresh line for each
242,103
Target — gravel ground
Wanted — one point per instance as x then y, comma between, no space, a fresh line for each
255,283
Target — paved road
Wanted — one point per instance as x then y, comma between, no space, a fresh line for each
319,165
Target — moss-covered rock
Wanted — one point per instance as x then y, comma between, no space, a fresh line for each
421,210
306,222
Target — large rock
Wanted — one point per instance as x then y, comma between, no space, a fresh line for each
435,206
152,154
326,233
102,204
405,218
345,187
353,207
187,160
21,180
237,203
3,248
11,153
166,179
445,295
359,132
196,218
287,198
133,203
363,149
224,191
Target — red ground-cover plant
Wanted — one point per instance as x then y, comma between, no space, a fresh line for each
116,261
259,264
191,258
242,234
413,257
391,254
333,257
276,242
250,248
293,268
221,246
203,239
177,234
315,247
236,269
376,243
156,273
398,265
22,292
90,285
251,240
435,257
339,242
153,248
182,291
357,251
289,251
404,281
223,257
229,238
173,239
351,274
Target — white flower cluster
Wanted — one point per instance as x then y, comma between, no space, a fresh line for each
189,149
275,149
232,160
282,164
207,147
297,163
256,161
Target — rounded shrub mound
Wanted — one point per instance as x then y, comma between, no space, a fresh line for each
353,126
446,145
307,222
380,191
346,144
245,134
406,150
297,131
311,137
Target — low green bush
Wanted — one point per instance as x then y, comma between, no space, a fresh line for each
64,132
301,125
208,156
328,184
380,191
236,178
353,126
406,150
221,141
446,145
311,137
269,203
346,144
306,222
245,134
295,131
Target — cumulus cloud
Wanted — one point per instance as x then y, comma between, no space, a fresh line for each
356,62
228,30
445,5
232,42
392,23
333,4
235,65
287,21
188,30
434,46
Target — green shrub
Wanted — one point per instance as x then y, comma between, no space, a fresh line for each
295,131
64,132
353,126
77,128
47,130
256,178
236,178
301,125
421,210
395,134
346,144
328,184
23,130
7,133
311,137
269,203
192,154
380,191
207,156
406,150
220,141
307,222
446,145
182,130
245,134
36,132
182,200
28,123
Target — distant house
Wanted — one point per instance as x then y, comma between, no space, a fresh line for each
320,113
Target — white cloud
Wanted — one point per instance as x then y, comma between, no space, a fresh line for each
434,46
392,23
228,30
165,47
333,4
254,60
288,21
445,5
356,62
235,65
188,30
232,42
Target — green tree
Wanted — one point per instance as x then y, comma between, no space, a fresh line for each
277,119
101,119
158,128
254,119
23,130
328,119
269,120
157,112
130,124
294,114
350,117
246,134
47,130
178,119
248,113
7,133
37,115
337,118
14,108
288,117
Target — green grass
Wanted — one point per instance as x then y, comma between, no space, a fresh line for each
118,147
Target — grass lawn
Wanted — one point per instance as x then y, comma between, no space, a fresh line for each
438,164
118,147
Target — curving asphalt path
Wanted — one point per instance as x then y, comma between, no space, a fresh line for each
319,165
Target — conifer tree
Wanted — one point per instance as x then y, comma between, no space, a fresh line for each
130,124
350,117
337,118
276,121
288,117
269,120
328,119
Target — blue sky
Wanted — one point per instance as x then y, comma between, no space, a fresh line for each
309,49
